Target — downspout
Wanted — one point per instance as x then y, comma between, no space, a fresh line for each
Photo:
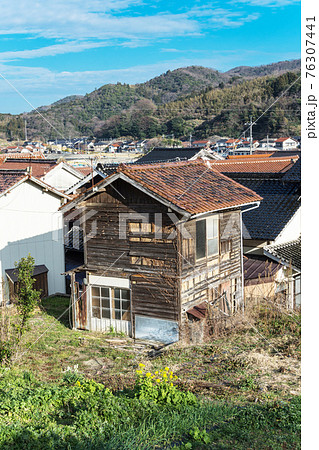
242,252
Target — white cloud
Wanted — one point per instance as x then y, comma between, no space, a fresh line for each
52,50
271,3
97,19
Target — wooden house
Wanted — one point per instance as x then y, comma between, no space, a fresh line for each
159,240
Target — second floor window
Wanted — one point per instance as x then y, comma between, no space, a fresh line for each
207,237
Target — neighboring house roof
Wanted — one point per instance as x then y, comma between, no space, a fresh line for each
281,200
37,270
288,253
253,165
168,154
106,169
279,153
258,269
283,139
37,167
9,179
34,155
190,187
294,173
85,170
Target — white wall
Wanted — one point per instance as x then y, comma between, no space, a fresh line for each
60,178
291,231
31,223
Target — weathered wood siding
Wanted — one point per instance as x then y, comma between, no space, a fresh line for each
149,262
204,279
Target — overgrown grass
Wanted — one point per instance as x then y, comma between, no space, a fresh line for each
70,414
247,391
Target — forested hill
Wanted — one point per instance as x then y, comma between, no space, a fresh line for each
191,99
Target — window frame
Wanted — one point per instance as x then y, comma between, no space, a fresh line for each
215,237
112,299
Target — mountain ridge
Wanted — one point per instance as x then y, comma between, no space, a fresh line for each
91,113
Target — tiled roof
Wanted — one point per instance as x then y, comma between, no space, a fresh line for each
294,173
191,185
258,269
279,153
253,165
282,139
85,170
168,154
281,200
107,169
34,155
9,178
289,253
38,167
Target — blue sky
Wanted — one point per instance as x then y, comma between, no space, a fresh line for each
51,49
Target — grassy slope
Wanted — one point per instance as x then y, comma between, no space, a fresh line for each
239,370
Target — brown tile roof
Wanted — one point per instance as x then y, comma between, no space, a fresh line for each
254,156
34,155
283,139
9,178
254,165
39,167
190,185
85,170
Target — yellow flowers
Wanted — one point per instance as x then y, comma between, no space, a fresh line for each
159,377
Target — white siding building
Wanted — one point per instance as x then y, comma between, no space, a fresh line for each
30,222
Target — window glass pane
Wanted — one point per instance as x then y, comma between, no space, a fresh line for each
117,293
96,313
125,294
105,292
117,304
297,285
117,314
105,313
125,305
105,302
95,291
212,227
200,239
212,246
95,301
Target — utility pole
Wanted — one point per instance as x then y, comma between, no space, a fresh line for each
190,139
25,131
251,123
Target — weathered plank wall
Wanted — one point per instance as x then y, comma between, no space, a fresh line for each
202,280
150,262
